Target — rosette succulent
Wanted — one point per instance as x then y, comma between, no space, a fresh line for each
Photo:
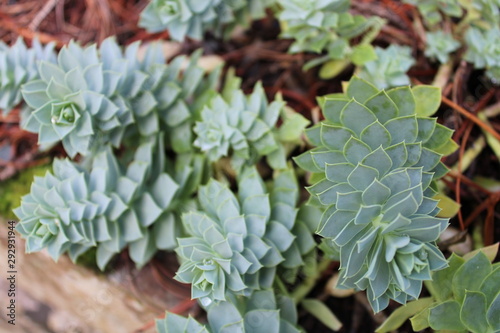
193,18
483,50
302,222
465,295
108,206
18,65
374,165
180,95
318,26
236,243
158,93
390,67
439,45
487,10
261,312
431,9
245,128
72,102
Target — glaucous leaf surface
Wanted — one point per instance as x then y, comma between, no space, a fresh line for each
263,311
236,243
317,26
466,296
18,65
483,50
109,205
440,45
390,67
431,10
244,127
373,170
187,18
92,97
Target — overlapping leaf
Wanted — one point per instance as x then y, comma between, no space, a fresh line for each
18,66
73,102
466,296
483,50
261,312
193,18
318,26
109,206
390,67
440,45
245,128
235,244
374,165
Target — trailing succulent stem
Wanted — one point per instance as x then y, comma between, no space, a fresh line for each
18,65
91,97
109,206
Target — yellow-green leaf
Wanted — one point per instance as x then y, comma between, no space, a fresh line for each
427,100
332,68
449,207
322,313
401,314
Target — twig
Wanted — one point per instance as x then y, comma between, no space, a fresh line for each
457,238
471,117
9,24
459,171
42,14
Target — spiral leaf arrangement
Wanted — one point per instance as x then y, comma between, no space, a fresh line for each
193,18
389,68
246,126
72,102
320,25
75,209
373,169
92,97
235,244
261,312
18,65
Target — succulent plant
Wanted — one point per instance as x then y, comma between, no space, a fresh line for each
483,50
261,312
92,97
487,10
72,102
236,243
180,96
318,26
466,296
190,18
373,169
431,9
158,93
246,127
18,65
302,251
75,209
439,45
390,67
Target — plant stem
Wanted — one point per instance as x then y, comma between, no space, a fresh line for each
310,282
443,75
281,286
